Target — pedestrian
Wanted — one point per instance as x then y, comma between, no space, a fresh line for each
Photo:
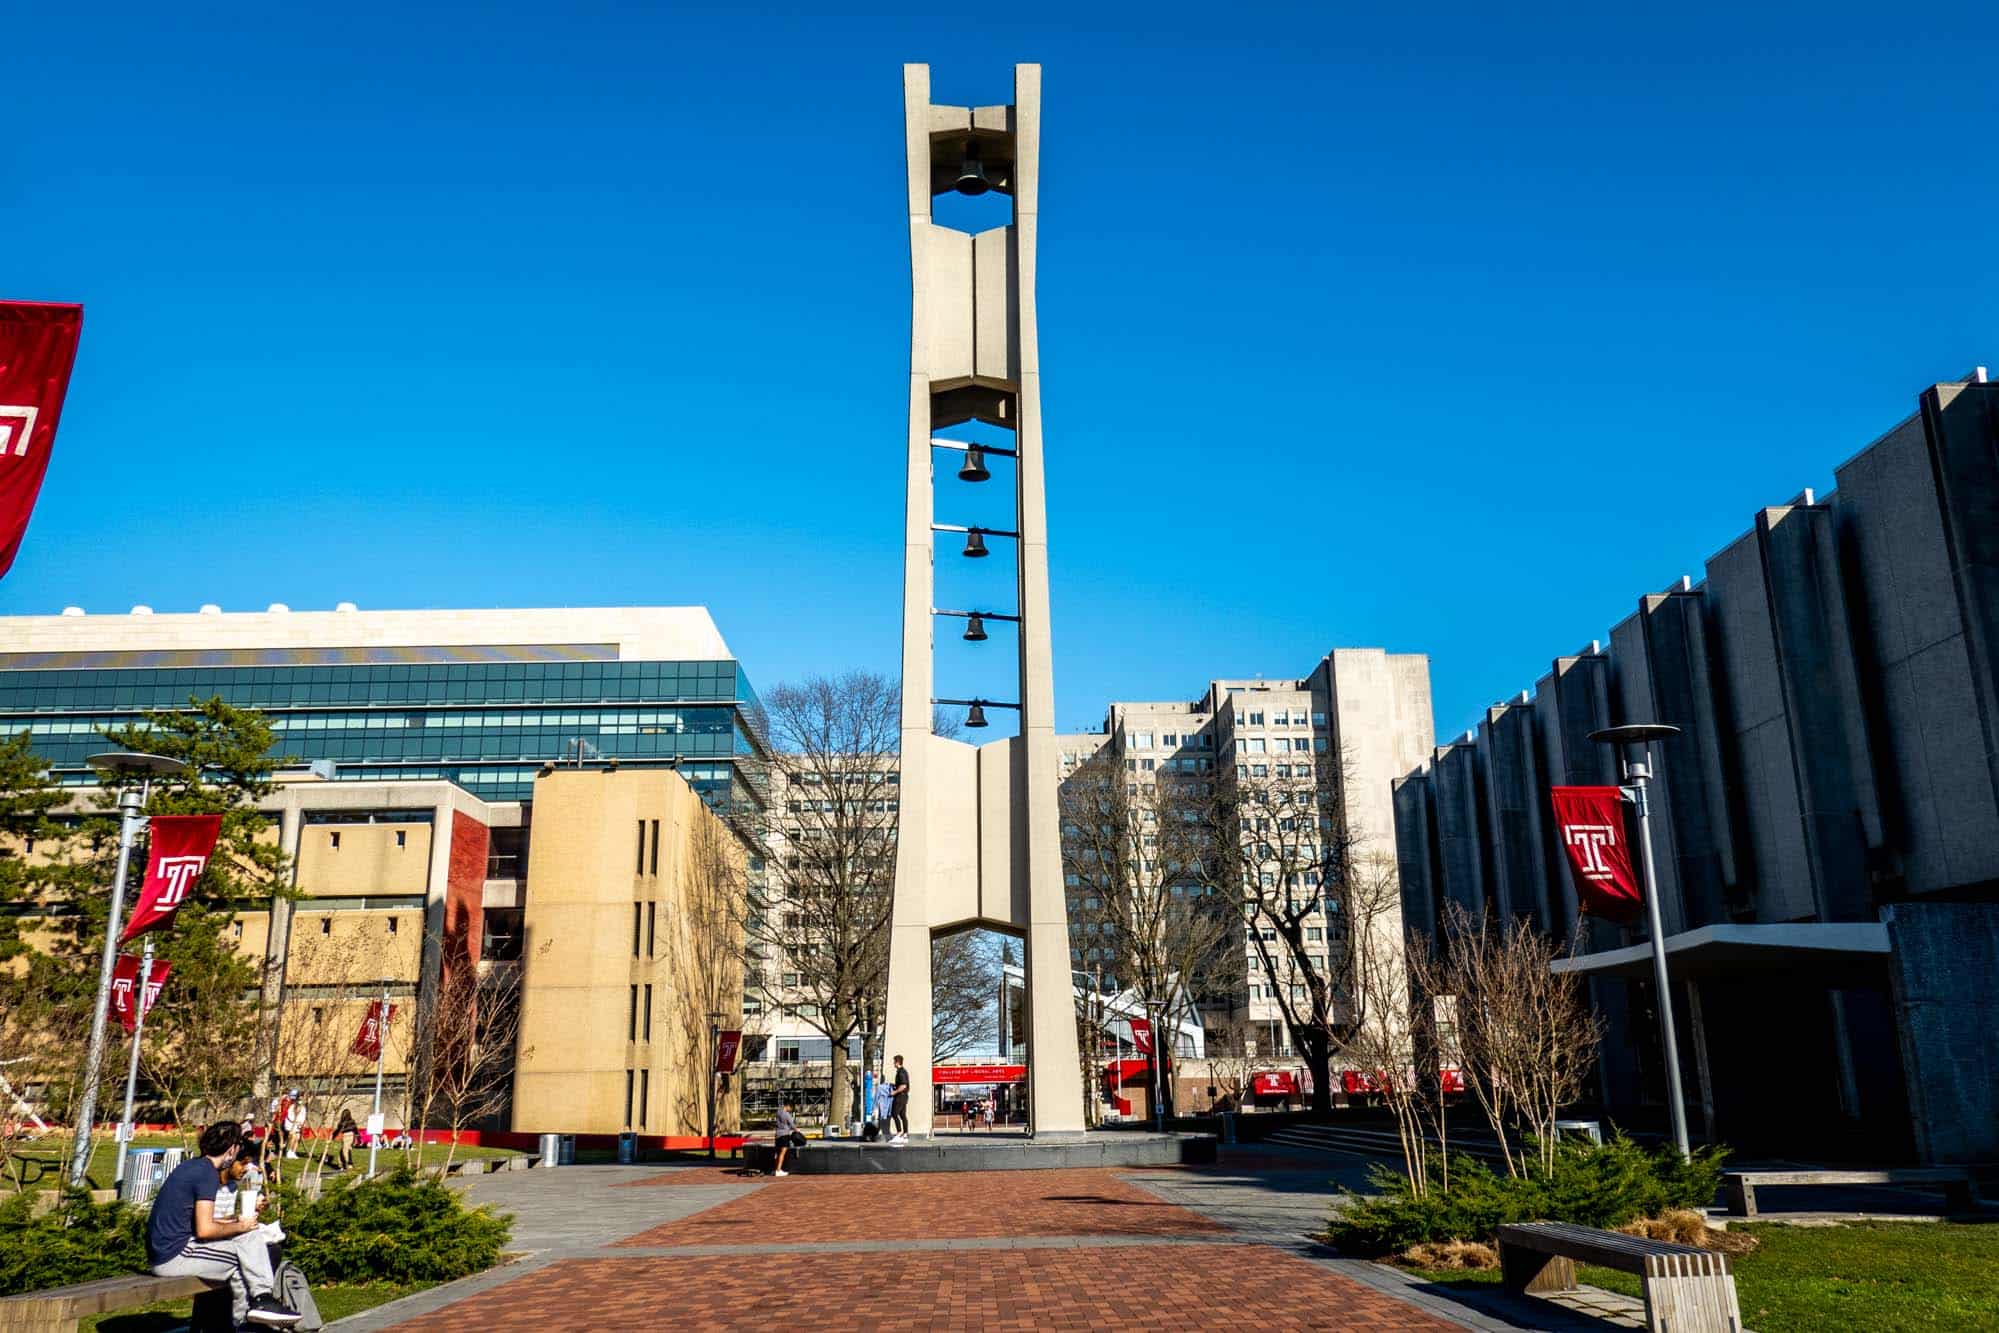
884,1105
344,1134
184,1238
899,1106
294,1124
989,1113
788,1136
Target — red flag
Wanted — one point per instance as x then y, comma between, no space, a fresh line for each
1591,820
125,980
37,349
727,1044
181,847
375,1026
1141,1035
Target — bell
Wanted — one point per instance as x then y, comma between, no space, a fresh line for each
975,628
972,175
975,466
976,716
975,545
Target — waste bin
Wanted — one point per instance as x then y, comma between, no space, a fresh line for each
142,1175
628,1148
558,1150
1589,1129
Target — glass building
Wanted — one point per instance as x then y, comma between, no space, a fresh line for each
482,699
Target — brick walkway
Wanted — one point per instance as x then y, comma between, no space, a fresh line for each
959,1205
1080,1288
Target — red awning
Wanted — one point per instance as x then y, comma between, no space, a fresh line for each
978,1074
1117,1073
1274,1083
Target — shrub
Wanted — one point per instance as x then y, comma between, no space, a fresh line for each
396,1228
1452,1256
1590,1185
80,1241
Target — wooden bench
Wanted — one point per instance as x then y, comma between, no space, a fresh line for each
58,1309
1687,1290
1740,1186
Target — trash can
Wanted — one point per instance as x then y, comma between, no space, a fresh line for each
142,1175
558,1150
628,1148
1589,1129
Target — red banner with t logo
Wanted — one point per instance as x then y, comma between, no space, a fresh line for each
374,1027
181,846
727,1043
125,980
1141,1035
1590,822
37,349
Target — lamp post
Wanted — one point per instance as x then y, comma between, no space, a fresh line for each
131,813
714,1075
1633,744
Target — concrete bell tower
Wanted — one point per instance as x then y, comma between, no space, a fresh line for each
978,827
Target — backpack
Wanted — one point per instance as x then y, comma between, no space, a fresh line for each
296,1294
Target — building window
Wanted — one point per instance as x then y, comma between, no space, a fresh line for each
1314,933
652,928
648,1022
787,1052
1318,745
638,918
326,925
632,1025
334,839
1167,740
645,1094
393,923
642,849
402,837
1256,719
628,1098
655,846
789,979
236,928
1259,770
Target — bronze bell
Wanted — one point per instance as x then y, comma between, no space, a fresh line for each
975,545
975,467
972,175
976,717
975,628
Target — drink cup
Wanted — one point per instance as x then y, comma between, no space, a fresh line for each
246,1204
225,1204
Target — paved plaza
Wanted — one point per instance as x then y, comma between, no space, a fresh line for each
1100,1248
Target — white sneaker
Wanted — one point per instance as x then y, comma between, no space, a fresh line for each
782,1174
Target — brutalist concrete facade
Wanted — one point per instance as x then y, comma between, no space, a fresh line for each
1826,824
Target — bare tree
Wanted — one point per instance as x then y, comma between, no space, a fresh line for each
1142,865
1302,871
705,960
818,929
1526,1034
965,976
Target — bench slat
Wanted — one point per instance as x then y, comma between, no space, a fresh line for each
1607,1249
1908,1176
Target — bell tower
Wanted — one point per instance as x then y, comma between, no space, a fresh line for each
978,828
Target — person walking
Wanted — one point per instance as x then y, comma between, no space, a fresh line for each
344,1134
899,1105
988,1109
184,1237
788,1136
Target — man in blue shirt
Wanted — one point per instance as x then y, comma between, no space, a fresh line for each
184,1238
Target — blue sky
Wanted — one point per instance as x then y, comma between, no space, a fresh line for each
1450,332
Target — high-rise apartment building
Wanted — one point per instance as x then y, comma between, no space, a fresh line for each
1350,725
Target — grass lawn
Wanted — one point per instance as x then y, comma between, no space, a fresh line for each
1900,1275
103,1163
335,1302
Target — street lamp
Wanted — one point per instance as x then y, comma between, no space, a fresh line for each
131,808
715,1017
1634,742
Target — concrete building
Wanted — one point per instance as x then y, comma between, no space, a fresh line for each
1359,718
424,739
1826,823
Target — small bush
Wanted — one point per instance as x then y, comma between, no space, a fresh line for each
80,1241
396,1228
1686,1226
1452,1256
1590,1185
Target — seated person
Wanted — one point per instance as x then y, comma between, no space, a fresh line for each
184,1238
788,1136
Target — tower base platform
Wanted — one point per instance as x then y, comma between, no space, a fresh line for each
988,1152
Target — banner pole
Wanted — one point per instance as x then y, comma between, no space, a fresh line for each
381,1049
124,1136
130,804
1640,775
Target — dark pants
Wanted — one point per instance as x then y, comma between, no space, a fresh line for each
898,1113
